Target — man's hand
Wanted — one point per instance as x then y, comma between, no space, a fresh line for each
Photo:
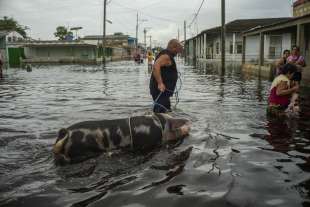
161,87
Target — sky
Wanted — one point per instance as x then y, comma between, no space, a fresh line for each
161,18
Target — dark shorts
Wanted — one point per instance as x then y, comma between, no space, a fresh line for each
162,104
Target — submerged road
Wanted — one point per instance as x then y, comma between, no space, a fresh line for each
234,156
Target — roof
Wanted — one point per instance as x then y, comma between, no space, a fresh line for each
55,43
278,25
300,2
241,25
99,37
3,33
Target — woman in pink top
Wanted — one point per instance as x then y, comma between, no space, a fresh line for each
281,92
299,61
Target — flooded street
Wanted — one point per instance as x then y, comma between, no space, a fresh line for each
234,156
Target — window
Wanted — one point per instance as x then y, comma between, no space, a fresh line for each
239,47
231,48
275,48
217,48
14,39
9,39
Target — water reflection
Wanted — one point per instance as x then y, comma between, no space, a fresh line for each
233,149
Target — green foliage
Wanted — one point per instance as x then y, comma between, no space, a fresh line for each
11,24
62,32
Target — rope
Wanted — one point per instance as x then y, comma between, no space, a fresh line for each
176,93
130,132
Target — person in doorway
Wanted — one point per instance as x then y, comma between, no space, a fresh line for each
299,61
164,77
281,91
282,61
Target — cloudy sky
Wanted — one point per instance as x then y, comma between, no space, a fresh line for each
163,17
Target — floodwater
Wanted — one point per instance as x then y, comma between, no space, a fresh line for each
234,156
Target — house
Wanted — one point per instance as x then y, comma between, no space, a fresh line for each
118,45
11,47
301,8
206,46
59,52
3,49
272,39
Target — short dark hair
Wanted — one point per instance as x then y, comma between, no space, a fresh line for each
285,51
297,48
288,68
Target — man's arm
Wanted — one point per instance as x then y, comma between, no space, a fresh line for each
163,60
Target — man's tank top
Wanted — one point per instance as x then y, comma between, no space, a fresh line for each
169,75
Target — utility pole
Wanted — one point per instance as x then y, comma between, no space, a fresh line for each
185,41
104,32
178,34
150,41
137,27
145,38
223,37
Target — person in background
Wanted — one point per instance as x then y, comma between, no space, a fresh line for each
164,77
282,61
1,64
299,61
281,91
150,59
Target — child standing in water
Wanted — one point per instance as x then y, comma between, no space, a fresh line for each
281,91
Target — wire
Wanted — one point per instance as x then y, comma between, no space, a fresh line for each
196,14
151,16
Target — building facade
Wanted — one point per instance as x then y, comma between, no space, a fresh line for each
301,8
59,52
206,46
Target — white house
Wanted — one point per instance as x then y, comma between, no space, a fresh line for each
206,46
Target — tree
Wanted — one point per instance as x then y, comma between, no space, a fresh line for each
62,33
11,24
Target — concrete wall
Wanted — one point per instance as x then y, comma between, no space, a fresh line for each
60,53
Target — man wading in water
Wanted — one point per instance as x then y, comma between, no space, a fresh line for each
164,77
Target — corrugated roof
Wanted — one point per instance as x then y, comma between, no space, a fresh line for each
241,25
99,37
290,20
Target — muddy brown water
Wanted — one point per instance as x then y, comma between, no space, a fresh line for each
234,156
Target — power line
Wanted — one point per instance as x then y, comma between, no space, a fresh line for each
151,16
196,14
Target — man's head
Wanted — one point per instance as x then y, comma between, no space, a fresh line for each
174,46
295,50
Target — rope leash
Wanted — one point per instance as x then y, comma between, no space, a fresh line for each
176,93
130,132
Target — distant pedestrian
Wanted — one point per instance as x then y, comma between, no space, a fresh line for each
1,64
150,59
164,77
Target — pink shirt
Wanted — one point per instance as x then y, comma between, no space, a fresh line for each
300,60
